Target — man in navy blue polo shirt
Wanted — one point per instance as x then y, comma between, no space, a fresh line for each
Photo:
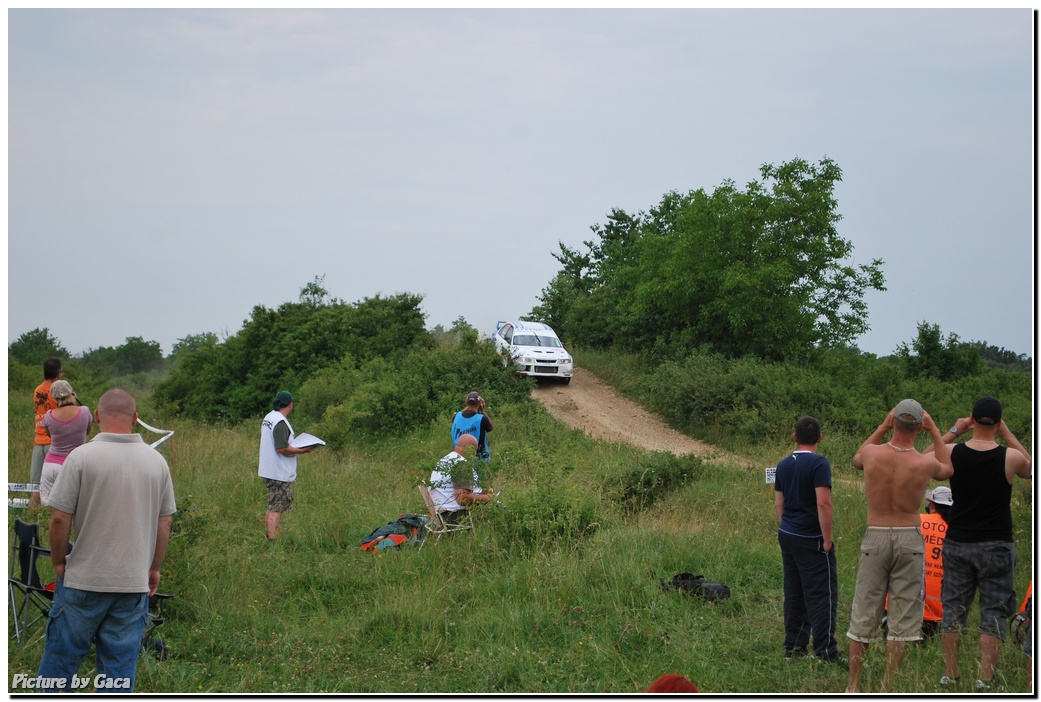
802,497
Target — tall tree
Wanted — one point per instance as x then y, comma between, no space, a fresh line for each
761,271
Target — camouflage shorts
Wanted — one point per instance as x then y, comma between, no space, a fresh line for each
279,495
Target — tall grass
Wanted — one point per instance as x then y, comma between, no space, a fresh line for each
556,590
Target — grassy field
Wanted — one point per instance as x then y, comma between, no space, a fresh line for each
554,591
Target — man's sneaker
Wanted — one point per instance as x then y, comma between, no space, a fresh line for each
790,653
980,685
984,685
947,681
839,660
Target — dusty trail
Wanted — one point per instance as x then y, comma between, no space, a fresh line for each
598,410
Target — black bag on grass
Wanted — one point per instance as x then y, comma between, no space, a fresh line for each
697,586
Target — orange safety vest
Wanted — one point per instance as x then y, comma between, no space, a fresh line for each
934,530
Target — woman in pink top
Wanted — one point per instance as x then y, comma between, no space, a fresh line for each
68,425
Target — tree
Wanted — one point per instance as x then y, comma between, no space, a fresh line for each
135,356
761,271
36,346
931,357
314,293
192,343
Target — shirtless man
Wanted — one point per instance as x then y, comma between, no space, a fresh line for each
893,551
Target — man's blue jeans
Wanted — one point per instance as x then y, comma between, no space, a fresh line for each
113,621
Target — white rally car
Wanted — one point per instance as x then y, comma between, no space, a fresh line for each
534,349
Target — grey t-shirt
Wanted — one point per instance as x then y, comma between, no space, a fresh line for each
117,487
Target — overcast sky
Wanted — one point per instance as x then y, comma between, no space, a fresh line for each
170,170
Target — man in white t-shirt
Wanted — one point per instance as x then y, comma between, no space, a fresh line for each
117,492
454,482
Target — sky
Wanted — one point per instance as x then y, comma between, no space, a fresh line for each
168,170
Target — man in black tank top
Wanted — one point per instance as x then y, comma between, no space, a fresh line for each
979,551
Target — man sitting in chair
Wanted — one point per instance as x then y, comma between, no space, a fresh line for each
454,481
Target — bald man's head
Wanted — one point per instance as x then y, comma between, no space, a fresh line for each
116,412
464,442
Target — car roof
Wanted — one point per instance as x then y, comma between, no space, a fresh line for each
521,325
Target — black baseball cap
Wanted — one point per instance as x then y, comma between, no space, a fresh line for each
987,411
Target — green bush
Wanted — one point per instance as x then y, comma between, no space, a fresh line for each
736,402
425,384
551,510
642,485
282,349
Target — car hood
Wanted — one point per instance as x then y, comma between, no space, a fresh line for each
546,353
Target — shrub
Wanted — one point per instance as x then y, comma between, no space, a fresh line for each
551,510
642,485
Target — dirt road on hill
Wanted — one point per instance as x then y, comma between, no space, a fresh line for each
598,410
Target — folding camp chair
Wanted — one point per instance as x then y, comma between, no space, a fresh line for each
156,616
30,598
436,526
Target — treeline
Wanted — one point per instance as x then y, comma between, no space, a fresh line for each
367,367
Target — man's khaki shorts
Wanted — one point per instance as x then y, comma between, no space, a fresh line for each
891,559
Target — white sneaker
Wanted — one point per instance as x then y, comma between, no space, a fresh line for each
948,681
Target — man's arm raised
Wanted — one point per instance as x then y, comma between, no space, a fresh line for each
1024,468
942,450
873,440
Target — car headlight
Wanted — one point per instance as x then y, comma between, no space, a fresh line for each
527,360
565,361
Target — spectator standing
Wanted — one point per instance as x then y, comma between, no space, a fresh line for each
278,461
117,493
802,499
454,483
979,552
892,555
42,401
934,532
473,420
67,425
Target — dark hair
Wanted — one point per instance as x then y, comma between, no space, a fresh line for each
942,510
807,431
51,368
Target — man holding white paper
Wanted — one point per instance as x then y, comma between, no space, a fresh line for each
278,452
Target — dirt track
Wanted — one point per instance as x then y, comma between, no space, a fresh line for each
598,410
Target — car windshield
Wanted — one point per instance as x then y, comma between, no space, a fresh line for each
536,340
